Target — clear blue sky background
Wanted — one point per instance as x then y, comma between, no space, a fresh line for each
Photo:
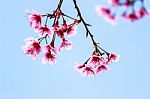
23,78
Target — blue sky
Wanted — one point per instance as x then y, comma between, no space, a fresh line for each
23,78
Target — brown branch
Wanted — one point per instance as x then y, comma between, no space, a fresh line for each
81,18
60,4
63,14
88,33
85,24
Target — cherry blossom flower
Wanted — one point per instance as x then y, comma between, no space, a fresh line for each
112,57
69,30
87,71
128,3
106,13
51,48
32,47
132,16
34,19
72,30
65,44
44,30
143,12
96,60
79,67
114,2
60,33
111,19
60,30
101,68
48,57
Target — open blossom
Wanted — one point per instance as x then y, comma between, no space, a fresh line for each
48,57
85,70
112,57
111,19
101,68
48,48
88,70
32,47
66,29
96,60
50,52
132,16
72,30
79,67
106,13
142,12
65,44
60,33
114,2
60,30
34,19
44,30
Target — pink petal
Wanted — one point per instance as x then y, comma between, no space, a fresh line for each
44,61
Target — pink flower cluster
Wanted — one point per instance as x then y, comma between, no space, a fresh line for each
96,64
33,46
130,12
55,31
